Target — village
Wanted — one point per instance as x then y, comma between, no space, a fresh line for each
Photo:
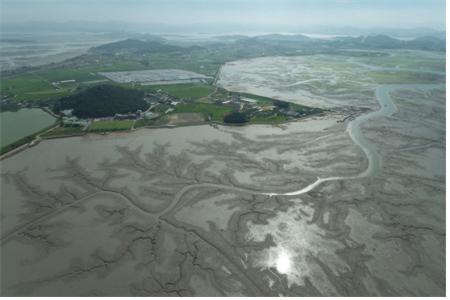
210,109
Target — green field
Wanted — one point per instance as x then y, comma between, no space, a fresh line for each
161,108
190,91
31,87
37,86
217,112
78,75
305,109
272,119
146,122
115,125
64,131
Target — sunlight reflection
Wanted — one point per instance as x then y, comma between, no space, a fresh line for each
283,262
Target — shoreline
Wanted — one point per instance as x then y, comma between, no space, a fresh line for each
37,138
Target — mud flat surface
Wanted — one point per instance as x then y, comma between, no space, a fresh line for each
329,81
222,211
405,209
34,49
324,81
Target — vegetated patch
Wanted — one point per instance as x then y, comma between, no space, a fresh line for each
68,74
16,144
161,108
135,46
187,90
305,110
281,104
268,119
146,122
10,106
103,101
236,118
64,132
185,118
29,87
213,111
115,125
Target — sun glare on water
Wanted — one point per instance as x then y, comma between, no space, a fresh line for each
283,262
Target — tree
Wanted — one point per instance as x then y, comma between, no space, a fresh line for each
281,104
235,118
103,101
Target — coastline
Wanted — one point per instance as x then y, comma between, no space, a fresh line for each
37,138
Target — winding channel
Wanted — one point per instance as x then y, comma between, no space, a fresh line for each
387,109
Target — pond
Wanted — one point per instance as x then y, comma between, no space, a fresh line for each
18,124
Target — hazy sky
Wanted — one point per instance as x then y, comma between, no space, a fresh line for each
356,13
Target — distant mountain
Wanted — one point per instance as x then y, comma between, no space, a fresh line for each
381,41
16,41
427,43
408,33
135,46
400,33
283,37
230,37
103,101
375,42
275,44
213,28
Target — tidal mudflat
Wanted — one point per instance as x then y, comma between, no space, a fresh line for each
331,81
327,206
170,208
24,50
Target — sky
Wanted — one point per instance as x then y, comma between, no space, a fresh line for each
355,13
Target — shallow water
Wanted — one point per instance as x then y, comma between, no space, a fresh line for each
387,108
19,124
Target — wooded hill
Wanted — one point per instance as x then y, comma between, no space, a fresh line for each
103,101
